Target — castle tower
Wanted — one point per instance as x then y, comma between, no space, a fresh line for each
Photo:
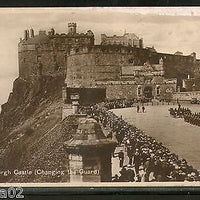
72,28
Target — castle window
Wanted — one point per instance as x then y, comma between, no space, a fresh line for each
38,59
139,91
65,58
131,61
158,90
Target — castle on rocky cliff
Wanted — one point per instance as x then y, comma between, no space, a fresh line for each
119,68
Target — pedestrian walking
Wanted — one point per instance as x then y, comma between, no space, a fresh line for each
143,109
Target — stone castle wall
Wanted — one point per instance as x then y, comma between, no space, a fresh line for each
85,66
84,70
130,90
123,92
98,62
27,63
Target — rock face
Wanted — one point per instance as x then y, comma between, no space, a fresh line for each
32,133
26,97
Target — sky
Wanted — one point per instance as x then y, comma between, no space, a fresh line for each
167,29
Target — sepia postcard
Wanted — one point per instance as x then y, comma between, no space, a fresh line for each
100,96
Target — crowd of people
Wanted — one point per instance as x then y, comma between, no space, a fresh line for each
124,104
119,103
148,160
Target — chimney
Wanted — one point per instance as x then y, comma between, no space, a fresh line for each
32,33
26,34
141,43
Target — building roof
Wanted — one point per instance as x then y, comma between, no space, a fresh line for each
131,36
126,35
43,38
88,134
178,53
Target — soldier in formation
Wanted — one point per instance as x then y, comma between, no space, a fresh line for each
189,117
179,112
192,118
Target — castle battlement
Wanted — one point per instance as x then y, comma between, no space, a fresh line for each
153,57
69,38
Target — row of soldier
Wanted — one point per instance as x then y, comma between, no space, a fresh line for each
192,118
149,160
179,112
189,117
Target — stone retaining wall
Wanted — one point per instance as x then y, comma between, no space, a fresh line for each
186,96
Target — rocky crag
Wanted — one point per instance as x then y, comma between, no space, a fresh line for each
31,134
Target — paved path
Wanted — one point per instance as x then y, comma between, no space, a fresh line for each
180,137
